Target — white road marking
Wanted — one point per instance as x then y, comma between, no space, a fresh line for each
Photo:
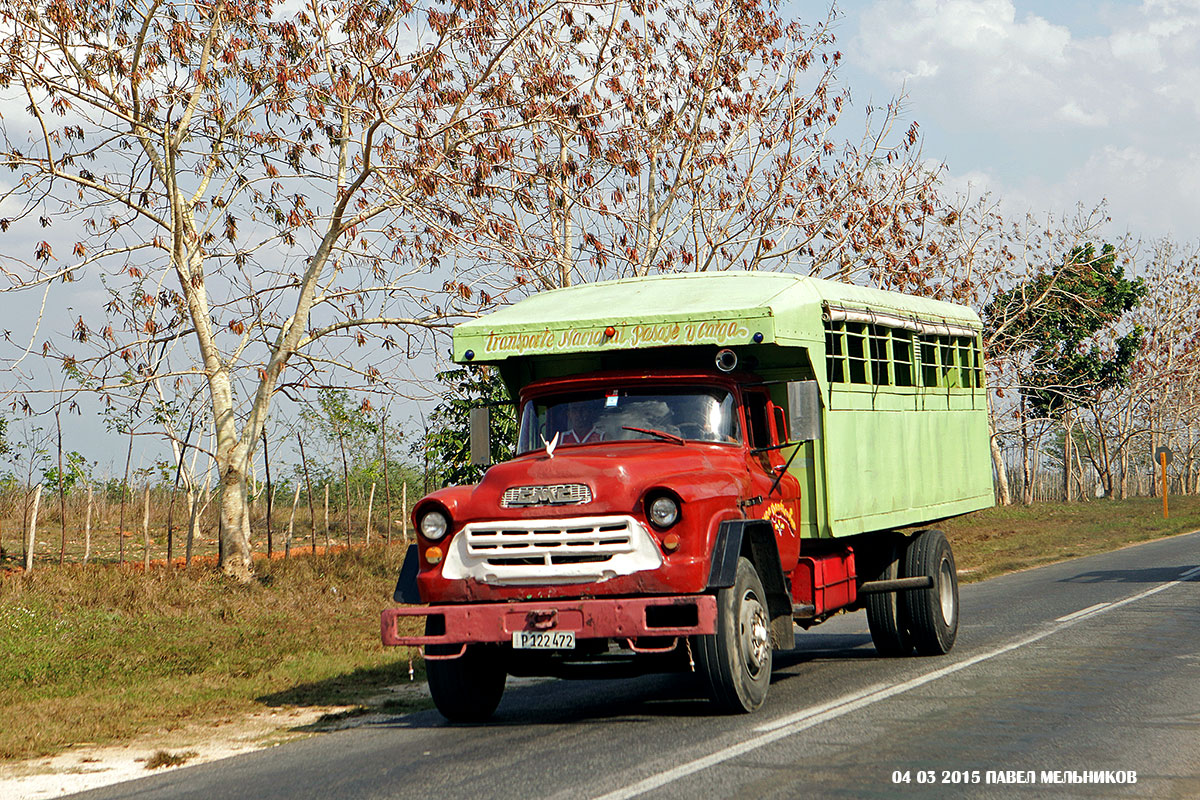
815,715
815,711
1083,612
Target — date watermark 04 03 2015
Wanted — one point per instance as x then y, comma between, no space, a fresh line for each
1012,776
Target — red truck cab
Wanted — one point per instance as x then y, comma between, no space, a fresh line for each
596,542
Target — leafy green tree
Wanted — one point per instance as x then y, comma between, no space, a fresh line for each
447,445
76,471
1062,330
1057,318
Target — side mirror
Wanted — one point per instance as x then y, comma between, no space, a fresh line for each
804,411
481,437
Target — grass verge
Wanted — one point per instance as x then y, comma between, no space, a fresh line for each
101,654
1011,538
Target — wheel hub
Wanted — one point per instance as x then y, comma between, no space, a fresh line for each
946,592
754,633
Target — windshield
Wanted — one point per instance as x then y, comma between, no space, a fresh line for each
694,413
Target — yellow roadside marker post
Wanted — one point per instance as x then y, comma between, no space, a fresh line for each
1163,456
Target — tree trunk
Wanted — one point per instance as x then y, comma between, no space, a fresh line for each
387,491
1026,461
1066,458
170,527
234,530
345,484
62,491
1082,477
124,493
1003,495
270,496
193,519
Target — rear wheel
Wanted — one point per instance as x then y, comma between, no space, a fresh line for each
889,628
932,613
467,688
736,661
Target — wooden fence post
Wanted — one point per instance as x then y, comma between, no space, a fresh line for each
287,544
312,512
87,527
146,529
37,501
387,489
370,505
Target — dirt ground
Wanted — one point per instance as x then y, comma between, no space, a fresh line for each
86,767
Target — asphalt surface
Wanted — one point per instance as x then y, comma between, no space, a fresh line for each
1062,676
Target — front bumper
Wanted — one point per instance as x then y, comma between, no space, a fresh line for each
605,618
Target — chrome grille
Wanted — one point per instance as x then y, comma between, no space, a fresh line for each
545,544
551,551
562,494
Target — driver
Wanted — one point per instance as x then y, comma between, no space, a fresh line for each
581,425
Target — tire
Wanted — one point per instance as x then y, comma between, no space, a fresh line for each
735,662
931,614
885,614
467,688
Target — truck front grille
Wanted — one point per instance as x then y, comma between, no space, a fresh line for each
575,550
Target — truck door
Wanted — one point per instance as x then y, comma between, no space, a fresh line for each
775,500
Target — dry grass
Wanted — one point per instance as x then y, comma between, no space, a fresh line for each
164,758
1006,539
97,654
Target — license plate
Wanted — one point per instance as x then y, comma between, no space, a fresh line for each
543,640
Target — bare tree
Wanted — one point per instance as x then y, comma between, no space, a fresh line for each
262,194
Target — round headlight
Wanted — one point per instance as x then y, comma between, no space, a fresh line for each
434,525
664,511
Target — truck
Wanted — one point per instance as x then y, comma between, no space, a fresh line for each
704,462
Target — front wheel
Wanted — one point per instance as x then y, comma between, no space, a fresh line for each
467,688
736,660
932,613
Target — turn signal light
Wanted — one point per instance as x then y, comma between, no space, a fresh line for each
671,541
433,555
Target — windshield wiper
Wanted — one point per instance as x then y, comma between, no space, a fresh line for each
670,437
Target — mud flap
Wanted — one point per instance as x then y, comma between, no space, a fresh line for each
406,586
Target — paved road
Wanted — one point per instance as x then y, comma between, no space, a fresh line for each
1092,665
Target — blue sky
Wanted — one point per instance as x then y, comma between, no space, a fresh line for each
1046,104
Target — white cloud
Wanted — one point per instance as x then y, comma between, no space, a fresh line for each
1071,112
1147,194
1052,105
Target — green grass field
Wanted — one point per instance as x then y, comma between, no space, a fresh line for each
104,653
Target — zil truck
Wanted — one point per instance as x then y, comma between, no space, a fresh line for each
703,462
